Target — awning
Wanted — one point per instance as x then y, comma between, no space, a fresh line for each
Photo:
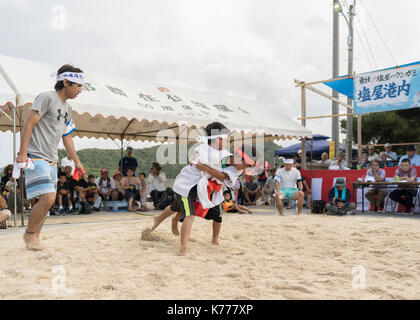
116,108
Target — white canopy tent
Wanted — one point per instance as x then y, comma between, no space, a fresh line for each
122,108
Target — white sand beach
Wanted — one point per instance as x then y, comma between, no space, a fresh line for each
259,257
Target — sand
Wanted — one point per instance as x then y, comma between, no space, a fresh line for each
259,257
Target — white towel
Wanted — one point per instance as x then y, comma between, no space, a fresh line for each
21,165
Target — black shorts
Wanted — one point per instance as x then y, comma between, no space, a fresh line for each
185,206
215,214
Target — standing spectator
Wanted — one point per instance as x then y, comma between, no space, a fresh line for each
339,199
378,175
4,213
324,160
276,167
129,184
286,180
339,163
412,156
156,179
8,170
391,155
385,162
128,162
405,195
252,191
372,154
106,186
364,163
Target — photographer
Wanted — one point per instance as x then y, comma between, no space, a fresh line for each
339,199
156,181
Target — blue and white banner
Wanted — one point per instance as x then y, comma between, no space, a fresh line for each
392,89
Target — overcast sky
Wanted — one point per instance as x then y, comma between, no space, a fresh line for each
244,48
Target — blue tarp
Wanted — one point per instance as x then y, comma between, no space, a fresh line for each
320,145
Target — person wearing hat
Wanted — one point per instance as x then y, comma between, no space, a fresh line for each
412,156
156,180
128,162
372,154
339,199
391,155
118,179
286,180
106,186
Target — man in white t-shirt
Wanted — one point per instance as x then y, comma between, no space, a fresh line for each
286,180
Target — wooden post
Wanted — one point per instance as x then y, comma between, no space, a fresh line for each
303,112
359,136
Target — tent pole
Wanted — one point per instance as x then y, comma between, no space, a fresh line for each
122,151
14,161
22,194
303,121
359,136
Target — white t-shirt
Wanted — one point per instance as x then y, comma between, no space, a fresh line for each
104,186
287,179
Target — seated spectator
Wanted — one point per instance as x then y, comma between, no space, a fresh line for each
307,194
67,162
118,179
339,199
83,190
128,162
339,163
385,162
391,155
324,160
262,178
92,193
129,185
142,191
229,205
276,167
64,195
286,180
252,191
72,183
156,180
269,187
405,195
377,194
106,185
372,154
9,187
4,213
412,156
8,171
364,162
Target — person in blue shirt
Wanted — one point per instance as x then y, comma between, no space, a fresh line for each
391,155
128,162
412,156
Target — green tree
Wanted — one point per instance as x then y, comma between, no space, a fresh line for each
389,126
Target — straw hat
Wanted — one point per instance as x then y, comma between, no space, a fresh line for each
116,173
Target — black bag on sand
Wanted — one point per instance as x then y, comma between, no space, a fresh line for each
318,206
167,198
85,208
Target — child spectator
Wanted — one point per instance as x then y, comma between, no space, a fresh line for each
230,206
142,192
64,195
92,194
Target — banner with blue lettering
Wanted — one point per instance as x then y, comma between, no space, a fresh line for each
392,89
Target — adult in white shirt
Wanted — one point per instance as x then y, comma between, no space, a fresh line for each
156,179
68,162
288,186
372,154
392,156
339,163
106,187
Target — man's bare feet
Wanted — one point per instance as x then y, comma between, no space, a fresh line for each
184,252
215,242
175,230
31,241
156,223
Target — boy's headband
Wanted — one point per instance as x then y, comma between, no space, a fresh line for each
76,77
244,156
205,139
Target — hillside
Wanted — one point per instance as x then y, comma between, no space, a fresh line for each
95,159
